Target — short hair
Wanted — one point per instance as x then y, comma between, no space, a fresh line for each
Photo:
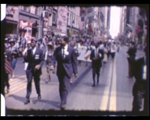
65,39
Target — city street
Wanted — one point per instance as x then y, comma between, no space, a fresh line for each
114,92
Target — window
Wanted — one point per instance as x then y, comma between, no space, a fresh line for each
54,17
27,9
21,7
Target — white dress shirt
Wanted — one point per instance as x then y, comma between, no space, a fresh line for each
64,51
33,51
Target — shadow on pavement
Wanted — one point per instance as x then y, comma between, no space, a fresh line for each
53,103
22,99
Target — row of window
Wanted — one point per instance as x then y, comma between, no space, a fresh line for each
72,16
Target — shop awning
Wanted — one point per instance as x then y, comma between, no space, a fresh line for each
11,21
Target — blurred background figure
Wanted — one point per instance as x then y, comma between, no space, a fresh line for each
14,54
131,58
8,67
48,59
113,50
96,57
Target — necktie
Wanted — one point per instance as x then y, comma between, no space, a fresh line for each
63,50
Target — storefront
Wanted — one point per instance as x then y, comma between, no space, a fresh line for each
27,27
11,22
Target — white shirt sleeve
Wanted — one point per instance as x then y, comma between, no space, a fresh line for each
46,55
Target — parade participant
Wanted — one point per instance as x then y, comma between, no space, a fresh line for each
105,53
131,58
113,50
48,59
35,59
96,57
66,66
14,54
76,52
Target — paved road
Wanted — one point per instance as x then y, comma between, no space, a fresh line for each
114,93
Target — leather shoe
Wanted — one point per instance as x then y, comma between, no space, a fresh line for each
62,106
27,101
93,85
39,97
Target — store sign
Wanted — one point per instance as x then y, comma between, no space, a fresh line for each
24,24
62,19
27,26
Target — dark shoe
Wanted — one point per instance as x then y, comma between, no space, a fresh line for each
62,106
8,90
93,85
39,97
97,82
27,101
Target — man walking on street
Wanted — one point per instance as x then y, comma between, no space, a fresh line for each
97,56
66,66
35,60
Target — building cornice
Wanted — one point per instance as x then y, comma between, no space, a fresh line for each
21,12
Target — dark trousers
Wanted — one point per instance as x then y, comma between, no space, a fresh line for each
113,55
140,92
96,71
7,80
30,74
64,83
131,62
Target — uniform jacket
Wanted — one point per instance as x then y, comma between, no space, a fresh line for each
65,65
36,59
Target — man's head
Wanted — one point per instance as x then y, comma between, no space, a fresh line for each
72,44
33,43
50,45
64,41
12,42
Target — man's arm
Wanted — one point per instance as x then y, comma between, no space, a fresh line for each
53,62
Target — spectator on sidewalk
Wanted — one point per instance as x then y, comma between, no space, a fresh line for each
14,54
8,67
131,58
140,87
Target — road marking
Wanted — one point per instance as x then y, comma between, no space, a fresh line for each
113,91
20,86
105,98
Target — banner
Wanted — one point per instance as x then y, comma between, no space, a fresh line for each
84,54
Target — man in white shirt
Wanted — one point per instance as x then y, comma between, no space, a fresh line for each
35,58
